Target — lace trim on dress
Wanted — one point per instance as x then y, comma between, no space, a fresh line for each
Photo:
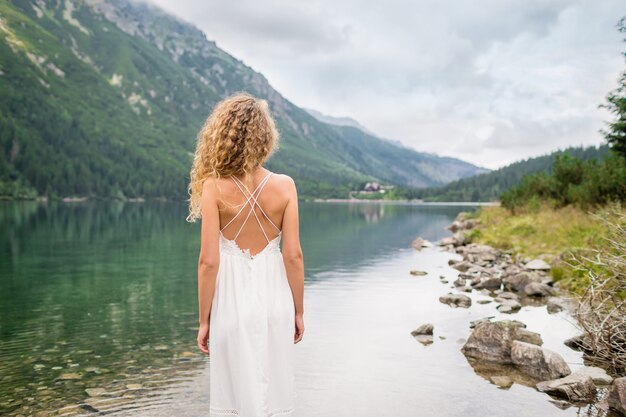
234,412
230,246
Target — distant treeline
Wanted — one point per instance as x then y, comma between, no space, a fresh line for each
490,186
572,181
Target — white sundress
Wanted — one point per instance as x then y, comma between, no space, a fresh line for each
252,326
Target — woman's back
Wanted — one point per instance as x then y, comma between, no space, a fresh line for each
265,193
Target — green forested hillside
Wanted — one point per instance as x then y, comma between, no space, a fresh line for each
490,186
104,98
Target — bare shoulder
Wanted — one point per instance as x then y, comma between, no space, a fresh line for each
216,189
286,179
286,183
209,185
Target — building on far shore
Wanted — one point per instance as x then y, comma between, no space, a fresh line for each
373,187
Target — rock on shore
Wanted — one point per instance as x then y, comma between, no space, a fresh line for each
456,300
425,329
598,375
537,361
492,341
617,396
424,333
508,342
505,352
485,267
494,271
575,388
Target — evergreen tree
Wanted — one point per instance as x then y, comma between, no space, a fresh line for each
616,134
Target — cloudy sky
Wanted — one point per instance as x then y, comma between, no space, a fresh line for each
488,81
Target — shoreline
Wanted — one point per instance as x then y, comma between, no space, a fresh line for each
84,199
44,199
407,202
502,350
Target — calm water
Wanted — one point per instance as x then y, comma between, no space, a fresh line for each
104,296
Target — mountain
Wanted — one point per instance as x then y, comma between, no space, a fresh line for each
489,186
402,165
105,98
337,121
348,121
425,167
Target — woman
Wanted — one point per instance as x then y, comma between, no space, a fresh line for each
250,294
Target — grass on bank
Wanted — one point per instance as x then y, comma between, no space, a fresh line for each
554,234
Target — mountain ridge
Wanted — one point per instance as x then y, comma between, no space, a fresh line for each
350,122
337,121
105,98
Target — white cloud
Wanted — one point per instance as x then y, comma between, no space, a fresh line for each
488,81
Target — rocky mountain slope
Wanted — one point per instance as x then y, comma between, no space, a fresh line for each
105,98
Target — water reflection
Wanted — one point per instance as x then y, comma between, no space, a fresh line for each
103,295
341,236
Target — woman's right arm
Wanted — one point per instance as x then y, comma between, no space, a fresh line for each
293,258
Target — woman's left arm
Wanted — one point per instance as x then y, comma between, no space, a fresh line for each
209,259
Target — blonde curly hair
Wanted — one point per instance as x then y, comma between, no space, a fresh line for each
237,137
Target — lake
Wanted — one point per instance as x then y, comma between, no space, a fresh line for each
102,297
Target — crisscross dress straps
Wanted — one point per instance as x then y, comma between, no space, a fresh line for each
252,202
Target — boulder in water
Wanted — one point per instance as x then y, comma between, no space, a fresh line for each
491,341
541,363
574,387
509,306
617,396
599,375
456,300
426,328
527,336
424,339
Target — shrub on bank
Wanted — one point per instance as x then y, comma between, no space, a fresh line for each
585,184
602,309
